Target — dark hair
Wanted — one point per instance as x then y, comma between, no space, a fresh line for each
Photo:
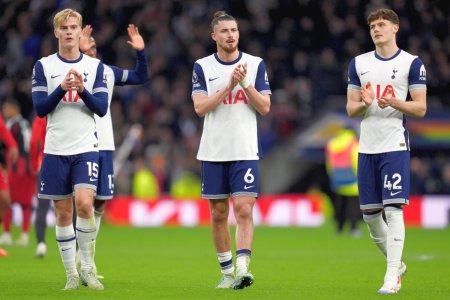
11,101
221,15
383,13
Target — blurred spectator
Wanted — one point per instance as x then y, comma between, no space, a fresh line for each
445,188
145,184
420,180
341,154
188,185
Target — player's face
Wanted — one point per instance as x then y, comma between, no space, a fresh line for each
226,35
68,33
92,52
383,31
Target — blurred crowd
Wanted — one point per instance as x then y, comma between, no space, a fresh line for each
430,175
306,45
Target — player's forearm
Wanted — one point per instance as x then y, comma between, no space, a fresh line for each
140,73
260,102
355,104
45,104
415,109
97,102
204,104
356,108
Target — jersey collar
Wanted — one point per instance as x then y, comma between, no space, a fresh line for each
389,58
69,61
228,62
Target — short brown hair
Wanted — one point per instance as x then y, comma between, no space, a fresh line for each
64,15
221,15
383,13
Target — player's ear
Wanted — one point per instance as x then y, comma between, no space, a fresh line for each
55,32
213,36
396,28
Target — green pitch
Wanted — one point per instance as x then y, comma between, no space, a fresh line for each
180,263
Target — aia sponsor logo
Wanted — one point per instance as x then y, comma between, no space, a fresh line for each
385,91
71,96
240,96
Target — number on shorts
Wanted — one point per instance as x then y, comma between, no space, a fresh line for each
248,177
111,181
92,169
395,186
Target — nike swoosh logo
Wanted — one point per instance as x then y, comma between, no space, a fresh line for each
248,187
54,76
393,194
92,179
212,79
364,73
65,249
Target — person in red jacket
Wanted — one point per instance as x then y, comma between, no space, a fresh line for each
37,141
22,183
13,152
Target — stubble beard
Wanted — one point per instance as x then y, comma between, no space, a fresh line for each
229,48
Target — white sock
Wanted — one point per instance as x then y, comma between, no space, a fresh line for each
8,234
226,262
378,230
65,237
98,219
242,261
86,232
395,239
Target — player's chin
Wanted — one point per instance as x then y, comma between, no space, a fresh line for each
378,41
230,48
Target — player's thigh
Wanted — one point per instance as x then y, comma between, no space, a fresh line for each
105,186
244,178
215,181
369,182
395,175
54,178
85,171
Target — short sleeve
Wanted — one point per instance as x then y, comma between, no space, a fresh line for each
417,78
353,79
198,80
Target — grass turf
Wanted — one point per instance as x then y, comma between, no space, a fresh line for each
180,263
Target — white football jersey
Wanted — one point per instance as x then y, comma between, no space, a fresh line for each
384,130
71,125
229,130
118,76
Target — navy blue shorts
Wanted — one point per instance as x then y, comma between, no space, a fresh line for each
61,174
235,178
105,186
383,179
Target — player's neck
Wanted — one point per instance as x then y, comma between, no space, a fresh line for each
387,50
227,56
71,53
